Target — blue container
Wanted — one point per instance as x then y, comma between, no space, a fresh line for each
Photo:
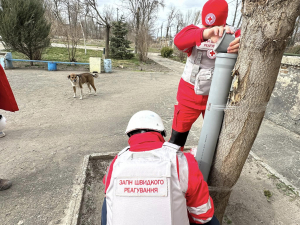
107,65
52,66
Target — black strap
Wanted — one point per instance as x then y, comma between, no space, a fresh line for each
178,138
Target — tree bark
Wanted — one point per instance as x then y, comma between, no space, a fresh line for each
266,26
137,26
107,29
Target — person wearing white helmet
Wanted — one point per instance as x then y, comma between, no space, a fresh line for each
153,182
144,121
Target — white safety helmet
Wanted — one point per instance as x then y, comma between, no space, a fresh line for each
147,120
2,123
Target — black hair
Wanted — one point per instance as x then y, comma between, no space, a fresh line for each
163,133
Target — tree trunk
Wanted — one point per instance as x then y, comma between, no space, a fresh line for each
266,26
137,30
107,29
167,33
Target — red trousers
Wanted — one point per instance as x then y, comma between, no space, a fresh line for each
189,107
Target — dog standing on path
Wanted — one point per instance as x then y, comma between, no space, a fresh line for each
77,80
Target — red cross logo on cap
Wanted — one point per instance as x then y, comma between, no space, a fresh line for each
210,18
211,54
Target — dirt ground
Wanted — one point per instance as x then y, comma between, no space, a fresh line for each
48,138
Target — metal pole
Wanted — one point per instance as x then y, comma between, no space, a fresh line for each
214,113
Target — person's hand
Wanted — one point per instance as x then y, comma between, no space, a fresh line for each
234,46
215,33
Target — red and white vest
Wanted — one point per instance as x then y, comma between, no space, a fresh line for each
145,188
199,67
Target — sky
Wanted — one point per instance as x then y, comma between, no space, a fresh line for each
183,5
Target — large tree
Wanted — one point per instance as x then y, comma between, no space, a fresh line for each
104,19
171,16
118,43
67,15
144,14
266,27
23,27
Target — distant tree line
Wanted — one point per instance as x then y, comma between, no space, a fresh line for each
28,25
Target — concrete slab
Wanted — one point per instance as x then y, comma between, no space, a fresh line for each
280,149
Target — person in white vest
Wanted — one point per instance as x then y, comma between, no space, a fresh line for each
153,182
198,42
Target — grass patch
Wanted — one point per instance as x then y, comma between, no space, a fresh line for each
154,50
176,58
227,220
126,63
62,55
268,195
283,188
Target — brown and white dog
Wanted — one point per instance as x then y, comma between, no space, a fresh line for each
77,80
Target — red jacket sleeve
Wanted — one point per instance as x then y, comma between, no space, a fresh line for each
188,37
107,176
237,33
199,203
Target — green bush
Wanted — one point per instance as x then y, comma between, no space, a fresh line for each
166,52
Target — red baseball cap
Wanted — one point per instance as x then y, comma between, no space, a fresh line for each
214,13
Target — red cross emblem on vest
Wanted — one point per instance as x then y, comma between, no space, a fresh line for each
211,54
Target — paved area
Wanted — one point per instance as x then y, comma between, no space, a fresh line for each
175,66
275,145
47,139
78,46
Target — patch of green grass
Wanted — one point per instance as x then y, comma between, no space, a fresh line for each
272,176
133,62
62,55
155,50
227,220
176,58
268,194
283,188
287,190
